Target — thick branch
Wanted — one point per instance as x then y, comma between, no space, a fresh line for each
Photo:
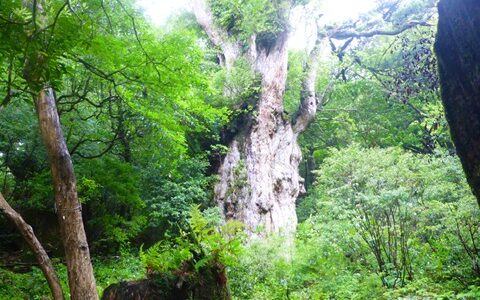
309,101
43,260
347,33
219,37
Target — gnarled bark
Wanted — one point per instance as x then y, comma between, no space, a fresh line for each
42,258
259,178
458,51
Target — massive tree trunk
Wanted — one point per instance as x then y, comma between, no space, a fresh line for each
43,260
67,205
458,52
259,179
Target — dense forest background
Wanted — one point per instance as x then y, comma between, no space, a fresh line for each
148,114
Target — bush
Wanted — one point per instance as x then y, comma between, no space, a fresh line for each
391,215
203,245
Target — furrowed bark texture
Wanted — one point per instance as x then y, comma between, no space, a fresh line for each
259,179
69,211
42,258
457,47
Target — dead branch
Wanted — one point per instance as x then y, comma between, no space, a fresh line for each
40,254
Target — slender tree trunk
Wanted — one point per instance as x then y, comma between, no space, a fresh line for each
458,52
123,132
69,210
43,260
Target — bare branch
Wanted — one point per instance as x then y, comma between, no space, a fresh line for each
57,15
149,58
309,101
101,153
102,4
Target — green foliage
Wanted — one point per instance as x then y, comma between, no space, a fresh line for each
240,83
311,268
31,285
358,111
247,17
237,89
117,269
295,76
110,192
168,196
400,219
129,96
203,245
387,95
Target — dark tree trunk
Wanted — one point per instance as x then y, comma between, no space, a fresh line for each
29,236
458,52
